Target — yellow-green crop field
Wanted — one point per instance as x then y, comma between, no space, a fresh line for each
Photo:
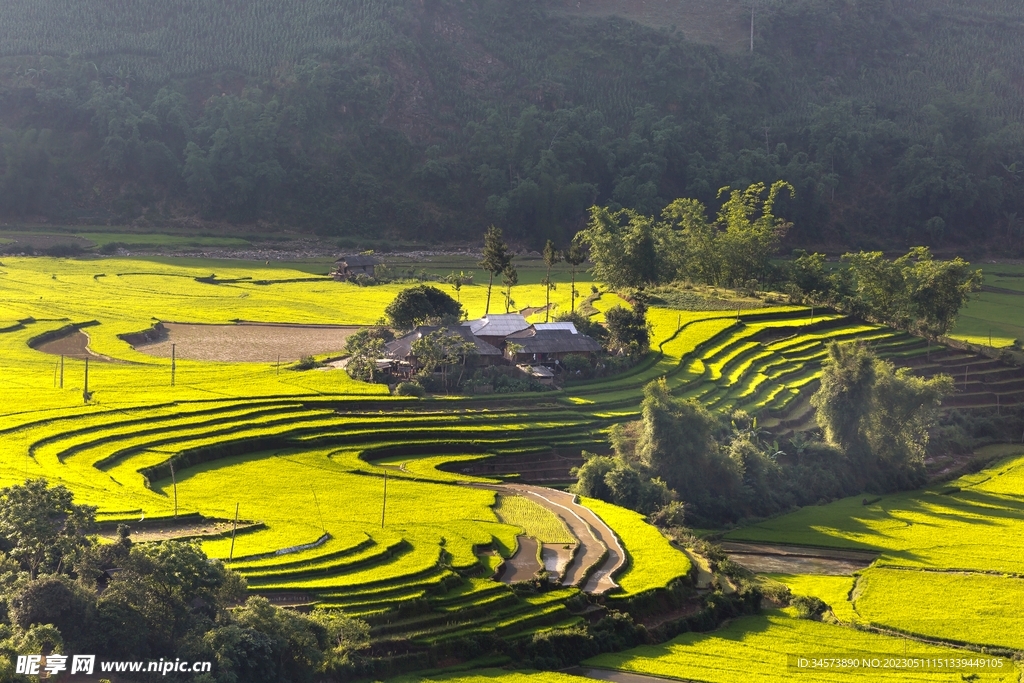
305,456
759,649
534,520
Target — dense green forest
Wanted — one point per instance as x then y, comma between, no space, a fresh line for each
897,122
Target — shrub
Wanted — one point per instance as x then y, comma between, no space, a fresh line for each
307,363
410,389
809,607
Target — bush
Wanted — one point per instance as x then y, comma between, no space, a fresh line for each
64,250
809,608
410,389
307,363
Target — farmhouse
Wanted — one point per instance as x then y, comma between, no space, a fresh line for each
549,342
347,267
400,349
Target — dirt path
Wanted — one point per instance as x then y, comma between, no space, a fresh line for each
620,676
764,558
522,566
595,537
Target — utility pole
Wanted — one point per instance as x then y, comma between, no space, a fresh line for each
384,505
173,362
231,554
751,26
323,527
85,391
174,483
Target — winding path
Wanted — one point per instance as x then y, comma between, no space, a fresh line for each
587,569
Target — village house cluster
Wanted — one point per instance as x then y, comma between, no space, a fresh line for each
503,339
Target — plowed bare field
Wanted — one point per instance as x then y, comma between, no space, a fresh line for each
248,342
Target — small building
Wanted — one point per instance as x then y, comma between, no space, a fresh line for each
547,343
348,267
495,328
401,349
544,375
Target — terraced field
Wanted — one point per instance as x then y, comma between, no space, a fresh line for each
308,456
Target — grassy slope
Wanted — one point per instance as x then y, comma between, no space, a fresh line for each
995,316
980,527
756,649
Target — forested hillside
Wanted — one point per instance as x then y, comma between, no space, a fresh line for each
897,121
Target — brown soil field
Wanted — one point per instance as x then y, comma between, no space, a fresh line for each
74,345
249,342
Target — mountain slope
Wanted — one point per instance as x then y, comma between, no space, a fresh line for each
898,122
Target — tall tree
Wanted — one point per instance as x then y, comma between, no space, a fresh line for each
844,399
42,526
629,249
551,258
509,278
497,258
751,231
575,257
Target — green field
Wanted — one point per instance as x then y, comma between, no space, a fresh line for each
304,454
994,317
979,527
533,519
758,649
954,606
652,561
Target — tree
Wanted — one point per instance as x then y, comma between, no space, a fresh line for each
345,635
442,350
420,304
699,256
940,289
751,232
59,601
497,259
456,281
904,408
629,249
628,330
575,257
844,399
509,279
551,258
365,348
175,588
44,529
879,416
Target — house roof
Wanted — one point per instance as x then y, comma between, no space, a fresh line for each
556,326
358,261
497,325
402,347
554,341
537,371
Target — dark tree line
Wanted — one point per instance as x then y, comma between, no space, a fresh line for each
372,139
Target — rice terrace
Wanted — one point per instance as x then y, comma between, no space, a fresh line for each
459,524
480,341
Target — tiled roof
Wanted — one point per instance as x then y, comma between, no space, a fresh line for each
554,341
498,325
359,261
402,347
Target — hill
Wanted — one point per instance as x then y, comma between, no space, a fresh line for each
898,123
